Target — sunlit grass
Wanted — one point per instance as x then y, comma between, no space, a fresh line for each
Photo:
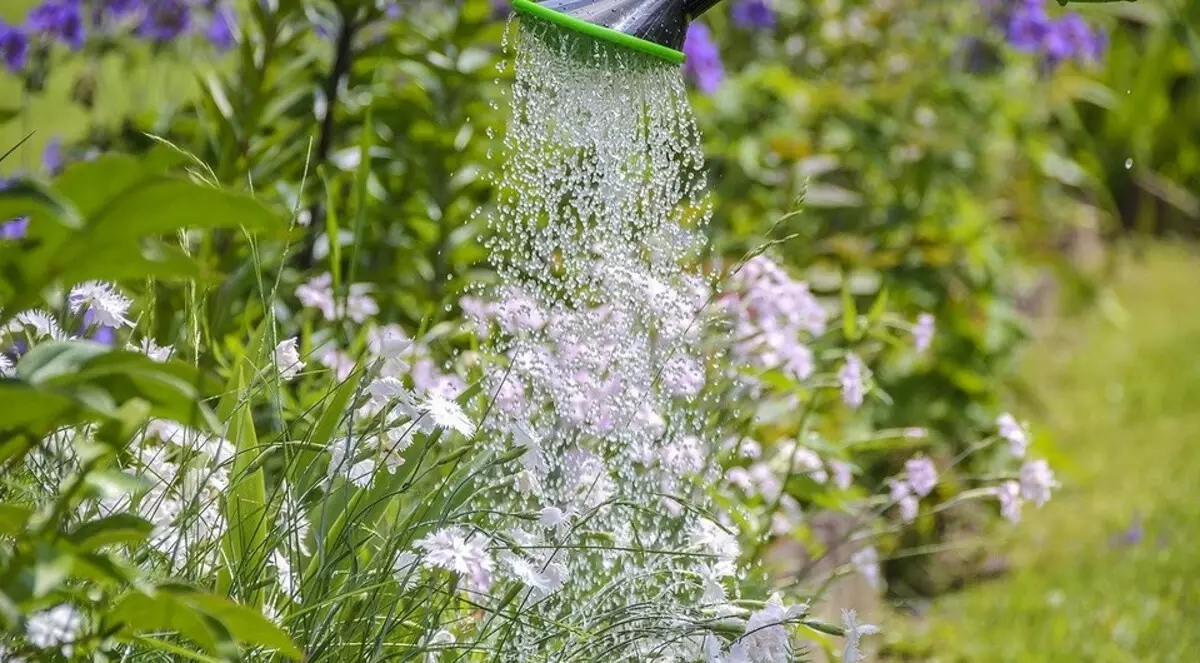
1108,571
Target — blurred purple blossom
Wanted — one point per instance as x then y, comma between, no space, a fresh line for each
220,28
165,20
1031,29
753,14
60,19
14,47
14,229
52,157
703,59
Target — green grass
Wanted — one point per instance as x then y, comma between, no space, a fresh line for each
1120,395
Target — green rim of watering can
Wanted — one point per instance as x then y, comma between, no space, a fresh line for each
599,31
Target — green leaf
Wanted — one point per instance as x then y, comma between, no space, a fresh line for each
141,613
25,406
247,625
13,518
60,358
117,528
115,483
164,204
246,501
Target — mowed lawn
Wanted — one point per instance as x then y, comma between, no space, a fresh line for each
1110,570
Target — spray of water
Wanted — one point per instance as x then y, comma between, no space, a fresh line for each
597,323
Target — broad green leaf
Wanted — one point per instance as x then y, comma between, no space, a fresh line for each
25,406
140,613
117,528
13,518
60,358
246,624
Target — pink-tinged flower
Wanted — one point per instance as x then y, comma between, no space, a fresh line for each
843,474
1009,494
453,549
287,359
341,363
852,379
923,332
901,493
1014,433
866,562
1037,480
922,475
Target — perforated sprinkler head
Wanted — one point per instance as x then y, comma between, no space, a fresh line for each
654,27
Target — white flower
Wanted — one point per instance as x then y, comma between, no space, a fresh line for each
152,350
552,516
866,561
843,474
442,637
710,538
1011,430
386,391
7,367
1037,479
318,293
55,628
43,324
1009,494
447,414
359,305
293,523
854,632
7,657
106,306
288,582
766,639
467,555
287,359
922,475
340,456
541,581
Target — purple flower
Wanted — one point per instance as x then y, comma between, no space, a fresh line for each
165,20
923,332
922,475
14,229
753,14
114,10
703,59
14,47
60,19
852,378
220,28
1028,26
52,158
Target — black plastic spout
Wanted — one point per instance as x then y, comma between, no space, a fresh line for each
662,22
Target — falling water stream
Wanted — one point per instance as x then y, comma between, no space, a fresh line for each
599,221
